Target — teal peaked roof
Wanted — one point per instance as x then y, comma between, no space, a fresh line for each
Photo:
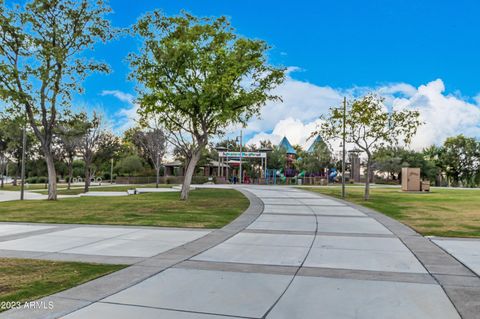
318,139
287,146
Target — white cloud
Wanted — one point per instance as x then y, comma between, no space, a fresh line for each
126,117
444,115
295,130
303,102
122,96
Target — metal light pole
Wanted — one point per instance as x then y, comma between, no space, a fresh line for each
228,145
343,150
24,145
241,155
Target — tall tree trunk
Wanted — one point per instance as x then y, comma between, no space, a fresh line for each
2,174
70,173
15,178
189,173
87,178
367,181
52,176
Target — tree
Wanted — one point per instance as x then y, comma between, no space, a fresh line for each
369,126
89,145
432,156
277,158
390,160
12,132
130,165
69,133
200,78
461,156
317,159
109,148
3,153
152,145
41,63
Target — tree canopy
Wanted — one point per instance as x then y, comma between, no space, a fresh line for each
369,125
41,62
200,78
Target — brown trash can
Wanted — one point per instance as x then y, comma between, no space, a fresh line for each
425,186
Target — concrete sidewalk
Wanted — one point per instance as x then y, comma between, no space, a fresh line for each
6,196
293,254
91,243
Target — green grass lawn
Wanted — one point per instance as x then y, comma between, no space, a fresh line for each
24,280
206,208
442,212
75,190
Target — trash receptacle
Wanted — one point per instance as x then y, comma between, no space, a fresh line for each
299,181
425,186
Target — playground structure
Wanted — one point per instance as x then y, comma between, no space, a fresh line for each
289,175
235,158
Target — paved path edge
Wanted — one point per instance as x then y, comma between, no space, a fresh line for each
461,285
78,297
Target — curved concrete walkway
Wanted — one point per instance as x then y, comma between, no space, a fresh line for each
292,254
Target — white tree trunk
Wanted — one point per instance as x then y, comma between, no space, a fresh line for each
189,174
70,174
52,176
367,182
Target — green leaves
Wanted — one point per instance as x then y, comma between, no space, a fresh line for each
41,57
370,125
460,159
200,75
41,60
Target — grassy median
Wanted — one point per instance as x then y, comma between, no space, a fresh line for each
441,212
206,208
24,280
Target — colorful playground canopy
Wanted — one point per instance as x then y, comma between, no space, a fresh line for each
318,140
285,143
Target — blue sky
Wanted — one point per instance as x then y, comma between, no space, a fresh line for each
337,45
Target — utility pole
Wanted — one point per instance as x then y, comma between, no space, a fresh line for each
343,143
241,155
24,145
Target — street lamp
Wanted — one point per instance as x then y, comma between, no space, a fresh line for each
241,154
228,170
